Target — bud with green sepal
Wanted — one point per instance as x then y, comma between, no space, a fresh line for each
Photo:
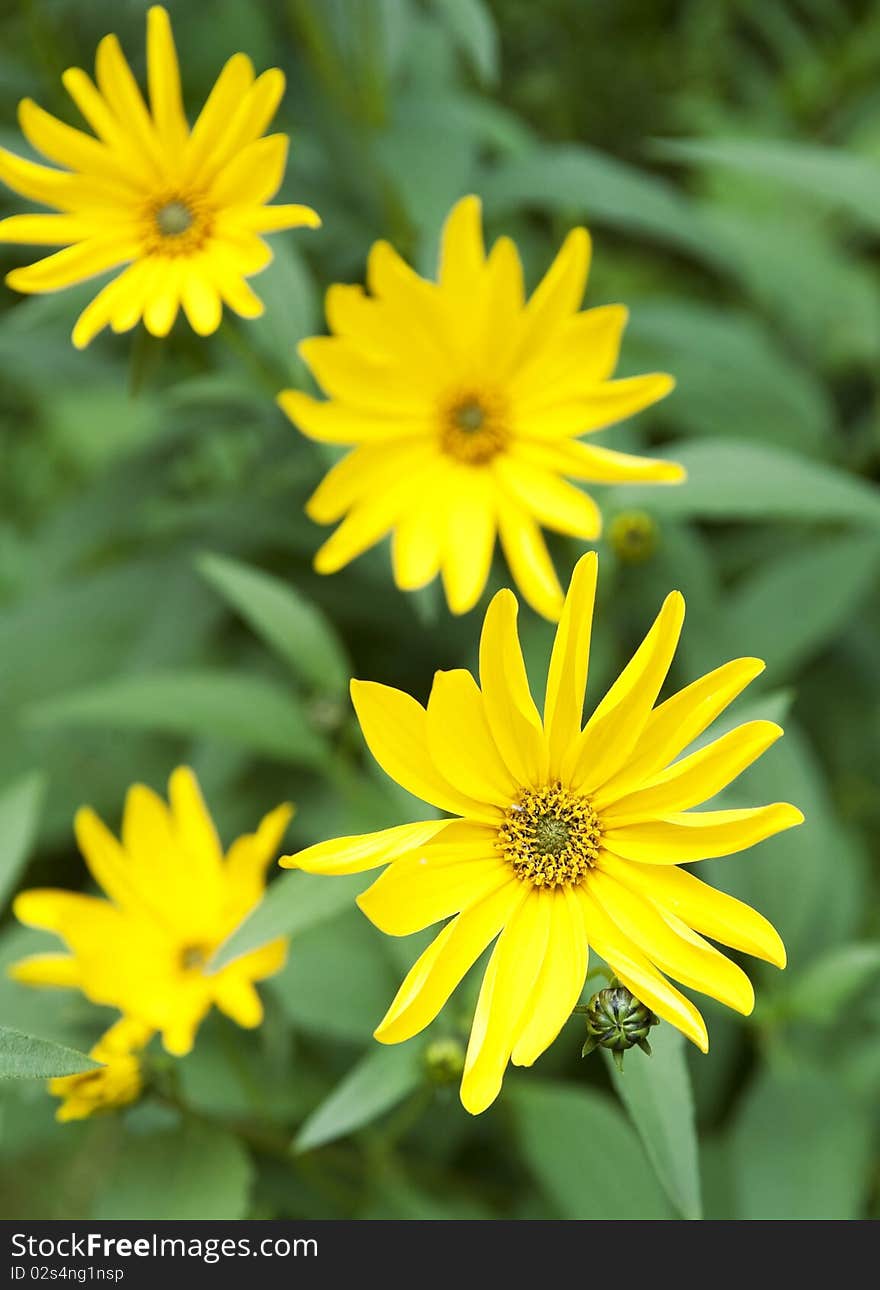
617,1020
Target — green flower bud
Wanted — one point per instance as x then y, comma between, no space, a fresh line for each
634,536
618,1021
444,1061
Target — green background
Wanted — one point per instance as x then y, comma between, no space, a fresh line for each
726,156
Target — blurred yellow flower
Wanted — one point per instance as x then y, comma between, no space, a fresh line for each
566,837
465,401
184,209
173,899
115,1083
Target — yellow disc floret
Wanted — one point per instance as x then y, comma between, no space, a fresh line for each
550,837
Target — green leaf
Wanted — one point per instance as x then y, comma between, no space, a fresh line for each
295,629
26,1057
782,403
473,28
828,177
371,1088
20,804
791,606
195,1172
292,311
738,480
583,1153
656,1092
247,711
338,980
828,984
799,1149
570,178
293,904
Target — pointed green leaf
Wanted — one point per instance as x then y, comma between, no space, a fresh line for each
20,804
248,711
371,1088
27,1057
295,629
656,1092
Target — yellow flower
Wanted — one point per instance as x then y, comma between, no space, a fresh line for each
465,402
184,209
173,899
115,1083
565,837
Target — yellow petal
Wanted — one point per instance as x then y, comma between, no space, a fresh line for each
560,982
462,254
697,778
504,300
336,423
586,344
201,301
361,381
638,974
677,722
569,663
96,112
510,709
547,416
436,973
271,219
700,835
371,519
684,956
45,230
614,728
120,90
163,299
363,850
526,552
417,543
106,860
254,175
47,970
71,148
554,503
417,891
234,81
596,465
245,124
238,296
74,264
556,298
460,742
163,77
194,826
395,727
250,855
120,302
509,981
469,537
368,470
238,999
711,912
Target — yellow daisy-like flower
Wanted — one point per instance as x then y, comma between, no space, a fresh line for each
565,837
173,899
466,402
117,1082
184,209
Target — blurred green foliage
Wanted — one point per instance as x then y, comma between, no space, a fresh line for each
157,603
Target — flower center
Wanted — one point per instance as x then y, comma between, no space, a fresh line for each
176,225
550,837
472,428
194,957
174,218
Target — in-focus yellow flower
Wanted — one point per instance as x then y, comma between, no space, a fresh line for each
466,401
184,209
566,837
173,899
117,1082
